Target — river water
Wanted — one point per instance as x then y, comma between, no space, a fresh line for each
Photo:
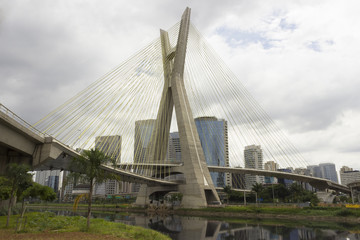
196,228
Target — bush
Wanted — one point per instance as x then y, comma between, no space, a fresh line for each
14,210
345,213
49,221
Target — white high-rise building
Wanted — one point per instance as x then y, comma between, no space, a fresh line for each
253,159
271,166
111,147
348,175
143,131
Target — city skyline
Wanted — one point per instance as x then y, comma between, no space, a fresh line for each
281,40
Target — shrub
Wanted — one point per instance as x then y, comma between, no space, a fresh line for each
345,213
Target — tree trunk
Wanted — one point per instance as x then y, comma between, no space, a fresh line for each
89,205
23,207
9,208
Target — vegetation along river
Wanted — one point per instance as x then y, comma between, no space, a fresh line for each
198,228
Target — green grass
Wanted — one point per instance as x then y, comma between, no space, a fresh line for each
49,222
309,211
107,205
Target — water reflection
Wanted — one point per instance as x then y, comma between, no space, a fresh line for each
194,228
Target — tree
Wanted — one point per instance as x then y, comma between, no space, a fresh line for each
296,192
227,190
45,193
5,188
281,191
257,188
89,164
18,176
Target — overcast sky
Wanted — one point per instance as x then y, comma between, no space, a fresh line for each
299,59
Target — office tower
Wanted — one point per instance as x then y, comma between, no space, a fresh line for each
324,170
143,132
328,171
348,175
314,171
49,178
253,159
174,149
53,182
214,141
270,166
111,147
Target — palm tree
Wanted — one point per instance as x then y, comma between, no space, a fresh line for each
18,175
257,188
89,164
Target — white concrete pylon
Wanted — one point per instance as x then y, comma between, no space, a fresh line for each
198,190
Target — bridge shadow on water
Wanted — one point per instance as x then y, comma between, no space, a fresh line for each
198,228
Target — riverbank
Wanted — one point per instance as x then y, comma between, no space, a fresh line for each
46,225
298,214
335,214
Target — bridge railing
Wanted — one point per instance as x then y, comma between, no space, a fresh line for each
19,120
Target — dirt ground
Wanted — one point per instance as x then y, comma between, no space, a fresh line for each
9,234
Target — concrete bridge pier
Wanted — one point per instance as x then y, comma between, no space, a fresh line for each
7,156
143,197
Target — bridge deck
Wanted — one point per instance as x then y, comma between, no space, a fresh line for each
48,153
320,183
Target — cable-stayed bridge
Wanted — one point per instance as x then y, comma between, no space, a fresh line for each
129,114
24,143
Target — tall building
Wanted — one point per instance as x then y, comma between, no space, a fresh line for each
174,149
213,134
324,170
49,178
53,182
314,171
328,171
143,132
111,147
270,166
253,159
348,175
